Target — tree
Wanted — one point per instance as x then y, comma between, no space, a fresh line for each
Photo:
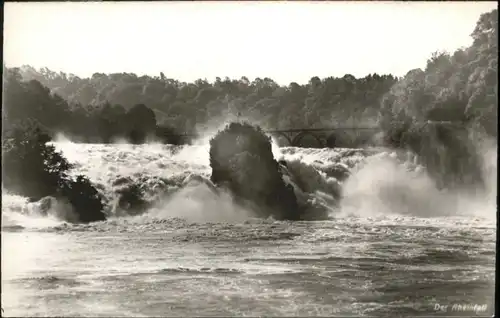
30,167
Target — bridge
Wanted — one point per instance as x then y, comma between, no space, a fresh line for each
313,137
351,136
324,137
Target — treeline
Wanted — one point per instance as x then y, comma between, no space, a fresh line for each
104,123
188,107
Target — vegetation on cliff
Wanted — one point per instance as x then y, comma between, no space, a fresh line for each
33,168
461,88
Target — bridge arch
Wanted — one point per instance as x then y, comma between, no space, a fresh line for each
296,141
276,134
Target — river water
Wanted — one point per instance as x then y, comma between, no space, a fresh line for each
394,246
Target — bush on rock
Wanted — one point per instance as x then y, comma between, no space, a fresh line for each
242,161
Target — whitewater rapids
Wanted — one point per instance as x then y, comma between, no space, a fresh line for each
393,244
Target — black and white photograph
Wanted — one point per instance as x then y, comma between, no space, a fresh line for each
249,158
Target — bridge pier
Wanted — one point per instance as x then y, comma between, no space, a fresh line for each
325,137
320,140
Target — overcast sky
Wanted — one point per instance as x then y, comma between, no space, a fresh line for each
284,41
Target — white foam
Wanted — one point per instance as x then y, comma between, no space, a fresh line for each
381,184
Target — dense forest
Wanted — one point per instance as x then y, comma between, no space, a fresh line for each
95,108
462,86
459,86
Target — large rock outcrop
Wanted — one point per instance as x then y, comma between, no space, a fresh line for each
242,161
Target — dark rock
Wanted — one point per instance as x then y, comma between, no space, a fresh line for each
131,199
121,181
339,172
84,199
242,161
45,204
